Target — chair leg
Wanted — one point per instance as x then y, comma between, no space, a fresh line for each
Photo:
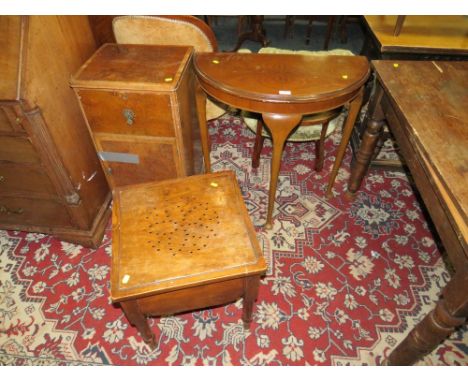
258,145
319,148
343,31
331,22
289,27
309,29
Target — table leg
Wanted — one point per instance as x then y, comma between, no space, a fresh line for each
200,97
320,147
251,285
280,127
355,106
136,317
451,311
399,24
258,145
375,122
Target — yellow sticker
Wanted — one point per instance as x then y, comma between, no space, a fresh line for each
125,279
168,79
395,65
214,184
215,62
344,76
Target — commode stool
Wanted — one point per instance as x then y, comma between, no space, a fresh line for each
181,245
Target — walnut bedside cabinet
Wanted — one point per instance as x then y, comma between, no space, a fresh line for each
180,245
139,104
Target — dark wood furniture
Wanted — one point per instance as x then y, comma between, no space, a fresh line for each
289,27
139,103
181,245
282,88
421,38
424,104
50,177
255,33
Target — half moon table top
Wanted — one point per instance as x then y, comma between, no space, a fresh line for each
280,79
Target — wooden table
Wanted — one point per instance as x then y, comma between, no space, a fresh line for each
282,88
421,37
425,106
180,245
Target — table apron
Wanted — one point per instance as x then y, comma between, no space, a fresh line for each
275,107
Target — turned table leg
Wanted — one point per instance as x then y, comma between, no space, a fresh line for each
355,106
451,311
375,122
200,98
137,318
280,126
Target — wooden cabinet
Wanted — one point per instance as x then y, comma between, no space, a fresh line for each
50,177
139,103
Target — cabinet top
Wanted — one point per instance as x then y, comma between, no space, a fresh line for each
181,232
133,67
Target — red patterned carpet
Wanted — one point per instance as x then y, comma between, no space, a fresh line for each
346,280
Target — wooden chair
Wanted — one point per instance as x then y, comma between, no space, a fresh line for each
313,128
289,28
340,22
169,30
316,127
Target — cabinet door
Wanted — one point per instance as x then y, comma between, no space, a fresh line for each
18,178
11,119
130,160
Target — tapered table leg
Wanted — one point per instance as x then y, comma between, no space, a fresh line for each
251,285
355,106
200,97
280,127
136,317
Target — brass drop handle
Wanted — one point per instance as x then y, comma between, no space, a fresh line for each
6,210
129,116
2,178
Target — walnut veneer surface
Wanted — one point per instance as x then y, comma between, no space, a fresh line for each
183,244
282,88
139,103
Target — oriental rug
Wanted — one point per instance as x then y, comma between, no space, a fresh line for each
346,280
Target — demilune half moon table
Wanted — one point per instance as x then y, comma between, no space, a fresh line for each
282,88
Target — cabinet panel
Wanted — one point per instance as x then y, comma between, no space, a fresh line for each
137,159
16,178
36,212
18,150
128,113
